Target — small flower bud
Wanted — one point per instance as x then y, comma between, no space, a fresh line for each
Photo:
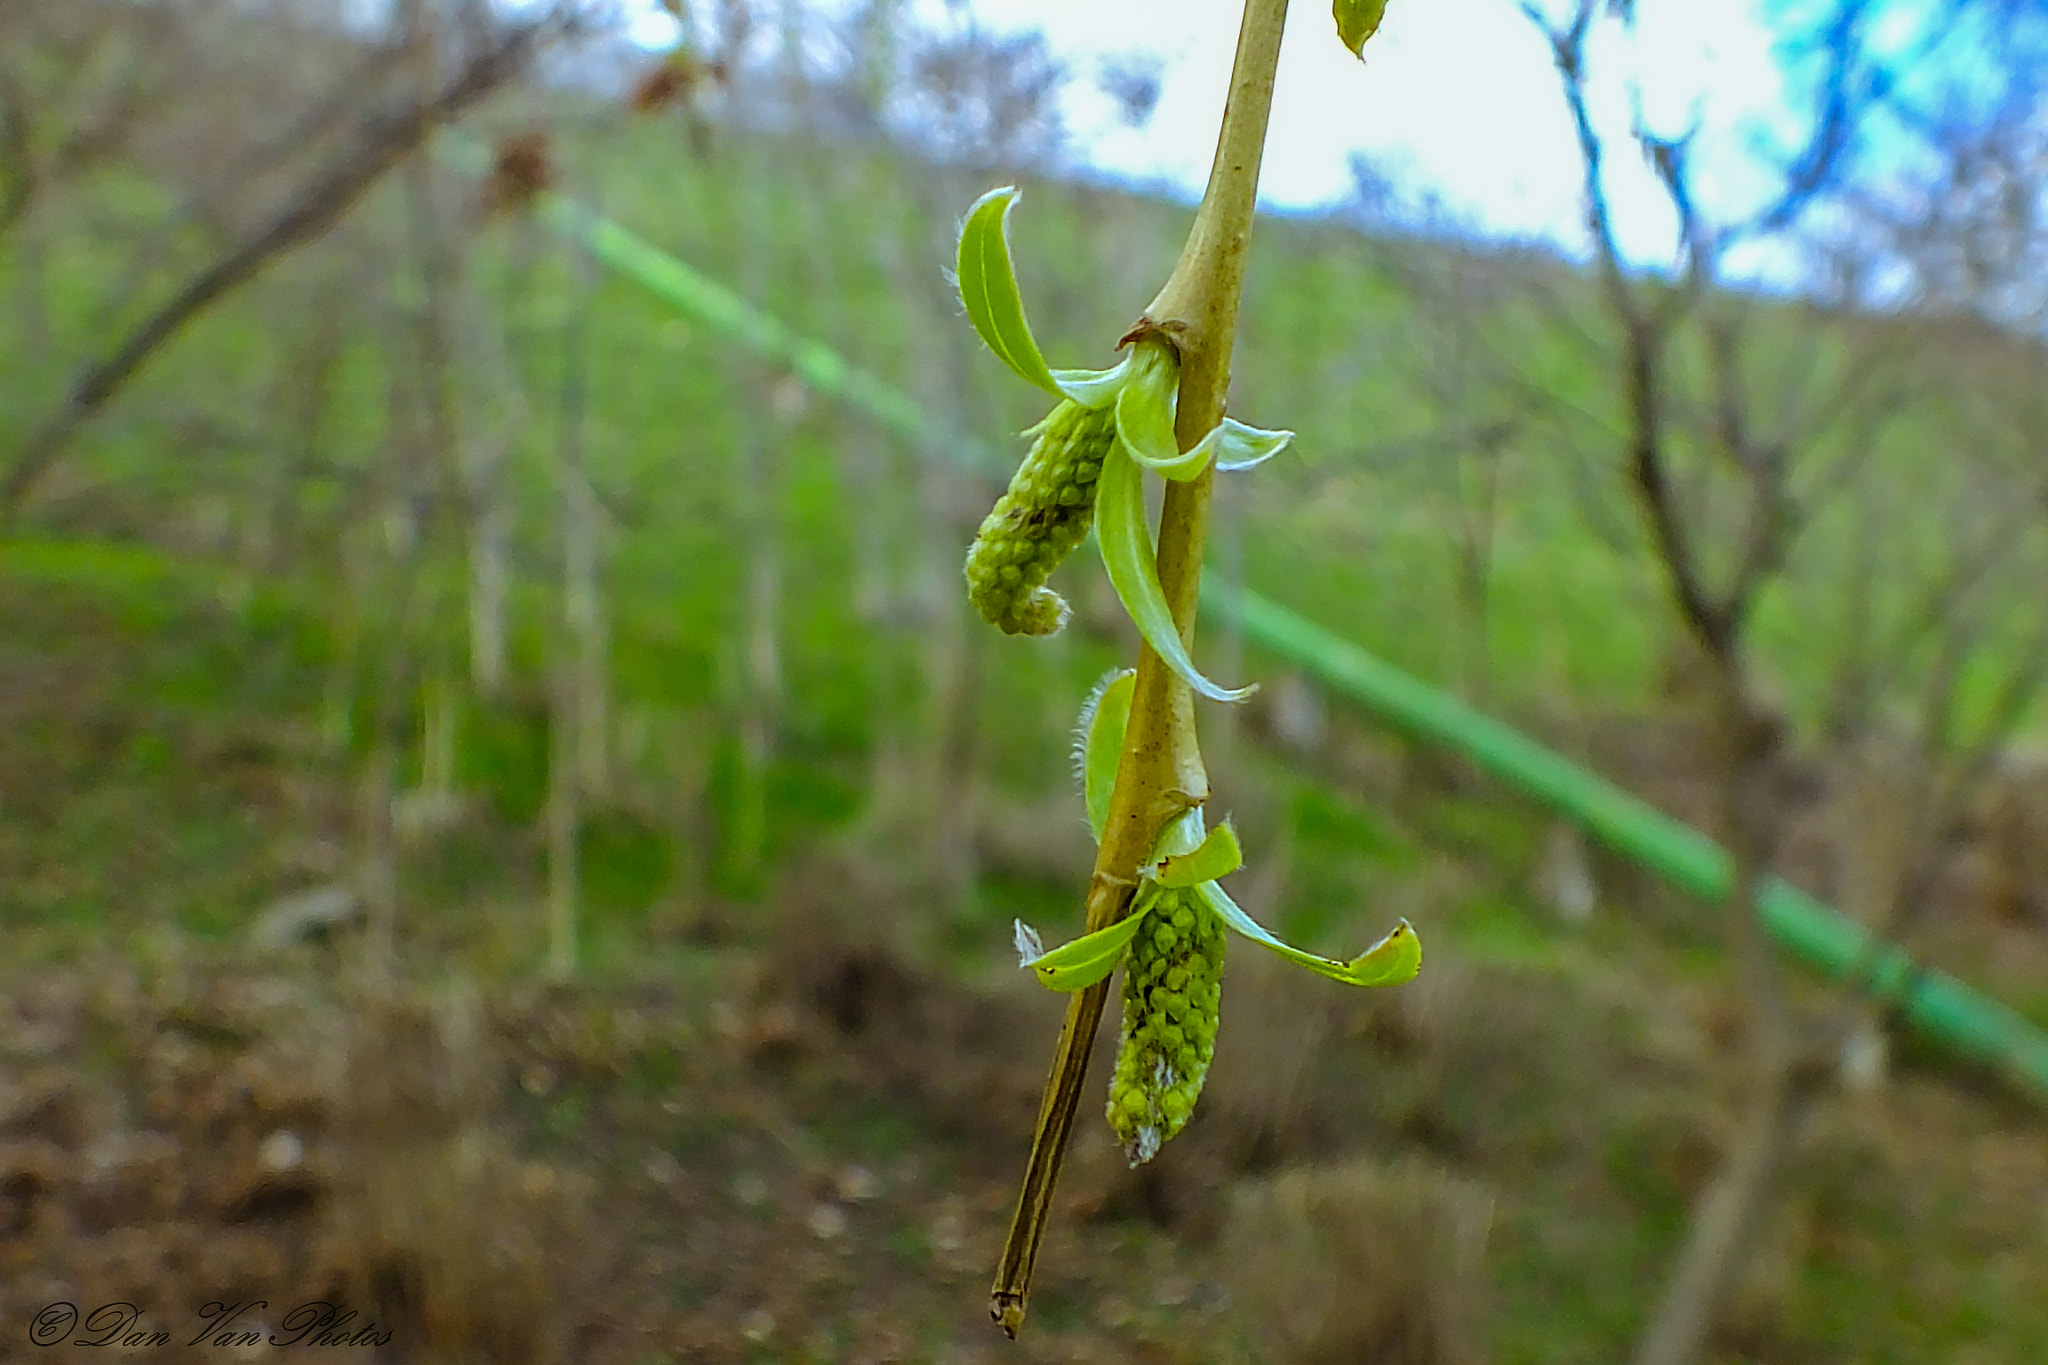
1172,991
1040,519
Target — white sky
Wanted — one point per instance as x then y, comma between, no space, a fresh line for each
1457,96
1454,96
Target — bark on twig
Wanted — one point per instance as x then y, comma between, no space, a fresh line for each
1160,775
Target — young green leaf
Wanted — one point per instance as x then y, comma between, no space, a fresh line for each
1358,20
988,288
1183,835
1089,958
1241,447
1144,414
1093,388
1104,719
1218,856
1393,960
1127,553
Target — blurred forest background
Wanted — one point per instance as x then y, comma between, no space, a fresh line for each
508,823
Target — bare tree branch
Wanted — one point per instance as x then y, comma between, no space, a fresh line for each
383,139
17,157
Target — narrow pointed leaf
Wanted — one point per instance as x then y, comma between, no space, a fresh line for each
1144,414
1126,545
1219,856
988,288
1393,960
1089,958
1103,722
1241,447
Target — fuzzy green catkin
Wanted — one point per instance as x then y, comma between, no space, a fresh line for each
1039,520
1173,992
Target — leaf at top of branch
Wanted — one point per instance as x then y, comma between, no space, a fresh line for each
1358,20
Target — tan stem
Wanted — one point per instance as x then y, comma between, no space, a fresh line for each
1161,773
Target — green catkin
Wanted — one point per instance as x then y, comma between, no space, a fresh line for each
1039,520
1173,991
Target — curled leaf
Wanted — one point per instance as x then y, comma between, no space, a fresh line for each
1218,856
1127,553
1104,718
1093,388
988,288
1393,960
1358,20
1145,410
1183,835
1241,447
1089,958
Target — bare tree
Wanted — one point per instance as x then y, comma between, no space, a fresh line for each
1745,431
577,738
390,118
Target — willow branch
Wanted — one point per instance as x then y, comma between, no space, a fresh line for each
1161,773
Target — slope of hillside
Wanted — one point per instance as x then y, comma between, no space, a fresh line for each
782,1108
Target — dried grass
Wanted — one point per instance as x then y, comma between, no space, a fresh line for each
452,1241
1364,1261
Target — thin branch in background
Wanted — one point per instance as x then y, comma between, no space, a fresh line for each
382,140
305,387
577,725
1781,1082
396,536
17,155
